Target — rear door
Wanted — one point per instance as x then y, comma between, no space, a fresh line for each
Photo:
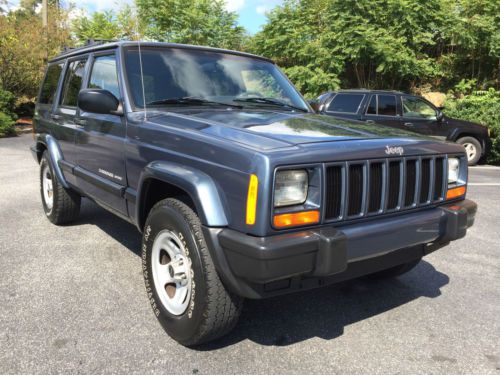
421,116
345,105
65,113
101,169
383,109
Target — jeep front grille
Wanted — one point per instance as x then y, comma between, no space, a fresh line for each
357,189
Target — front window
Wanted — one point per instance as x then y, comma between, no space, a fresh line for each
176,77
417,108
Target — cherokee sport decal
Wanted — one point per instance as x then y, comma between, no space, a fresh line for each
110,174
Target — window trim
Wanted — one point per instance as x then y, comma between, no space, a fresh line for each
377,115
346,93
93,57
66,70
422,100
56,93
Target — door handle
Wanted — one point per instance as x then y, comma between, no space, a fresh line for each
55,117
370,122
409,124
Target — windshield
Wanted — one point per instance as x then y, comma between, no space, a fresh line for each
179,77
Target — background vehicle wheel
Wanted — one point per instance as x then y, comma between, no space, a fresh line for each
60,205
473,149
183,287
395,271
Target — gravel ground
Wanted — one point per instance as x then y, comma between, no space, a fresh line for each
73,301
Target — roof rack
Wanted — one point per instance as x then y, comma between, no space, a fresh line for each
88,43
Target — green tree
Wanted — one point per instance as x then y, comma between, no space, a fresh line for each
201,22
24,48
106,25
393,44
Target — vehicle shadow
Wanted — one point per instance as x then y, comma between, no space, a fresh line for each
289,319
324,312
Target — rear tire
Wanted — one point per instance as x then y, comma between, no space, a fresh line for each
182,284
395,271
473,149
61,205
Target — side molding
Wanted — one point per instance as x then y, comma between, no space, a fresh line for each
200,187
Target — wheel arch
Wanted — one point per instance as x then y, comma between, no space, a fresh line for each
161,180
50,144
476,136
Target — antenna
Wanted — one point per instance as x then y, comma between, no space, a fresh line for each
140,67
142,83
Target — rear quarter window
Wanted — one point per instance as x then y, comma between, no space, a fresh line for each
49,86
346,103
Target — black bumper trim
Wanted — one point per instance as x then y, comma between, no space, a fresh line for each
245,261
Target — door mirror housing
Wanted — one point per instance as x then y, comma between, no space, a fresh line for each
439,116
99,101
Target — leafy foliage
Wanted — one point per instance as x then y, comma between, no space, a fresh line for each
24,49
107,25
6,125
394,44
482,107
200,22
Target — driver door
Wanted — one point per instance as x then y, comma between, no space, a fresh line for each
421,117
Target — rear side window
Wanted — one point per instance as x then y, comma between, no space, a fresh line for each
49,87
382,105
72,83
346,103
104,75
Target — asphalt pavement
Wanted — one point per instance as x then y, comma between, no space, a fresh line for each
73,301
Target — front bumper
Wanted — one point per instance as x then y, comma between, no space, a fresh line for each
257,267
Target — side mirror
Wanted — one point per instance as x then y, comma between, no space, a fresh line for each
99,101
314,103
439,115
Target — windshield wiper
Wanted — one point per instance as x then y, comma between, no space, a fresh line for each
190,100
270,101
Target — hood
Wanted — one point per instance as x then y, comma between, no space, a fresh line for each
269,129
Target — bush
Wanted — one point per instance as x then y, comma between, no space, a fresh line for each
6,125
482,107
7,103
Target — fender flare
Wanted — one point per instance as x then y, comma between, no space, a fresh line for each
197,184
55,156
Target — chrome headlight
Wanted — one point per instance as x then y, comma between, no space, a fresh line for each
453,170
290,187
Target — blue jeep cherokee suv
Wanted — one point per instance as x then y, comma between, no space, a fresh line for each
238,188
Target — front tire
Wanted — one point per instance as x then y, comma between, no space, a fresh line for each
185,292
61,205
473,149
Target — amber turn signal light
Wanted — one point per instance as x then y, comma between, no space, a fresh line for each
253,189
455,192
296,219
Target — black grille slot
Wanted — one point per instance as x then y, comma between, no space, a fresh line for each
438,181
376,184
394,184
333,192
411,182
425,180
355,190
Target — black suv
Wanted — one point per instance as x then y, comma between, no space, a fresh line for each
238,188
408,112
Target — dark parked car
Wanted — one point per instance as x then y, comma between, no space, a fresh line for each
238,188
408,112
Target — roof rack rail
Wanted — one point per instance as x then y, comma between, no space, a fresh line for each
88,43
